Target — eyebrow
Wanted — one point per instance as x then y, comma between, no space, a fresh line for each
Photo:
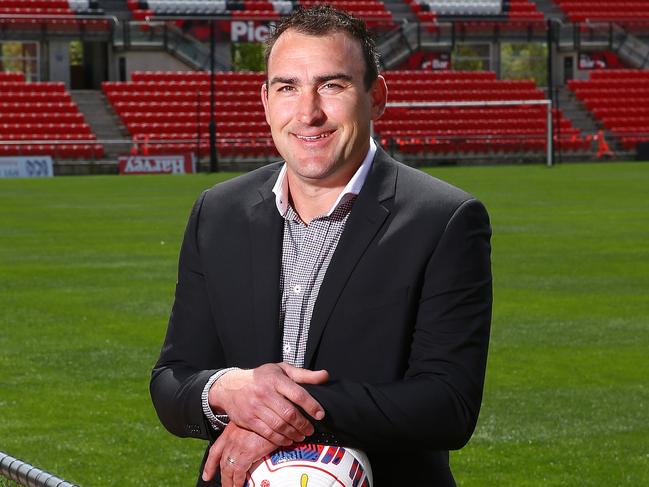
282,80
331,77
318,79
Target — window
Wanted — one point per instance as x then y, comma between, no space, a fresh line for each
471,57
22,57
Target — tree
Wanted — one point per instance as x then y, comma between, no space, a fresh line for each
524,61
248,56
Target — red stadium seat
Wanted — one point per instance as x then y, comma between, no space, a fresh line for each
175,106
41,111
619,100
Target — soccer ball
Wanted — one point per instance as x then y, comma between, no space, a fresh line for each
312,465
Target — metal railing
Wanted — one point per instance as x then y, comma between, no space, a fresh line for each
26,475
90,27
167,36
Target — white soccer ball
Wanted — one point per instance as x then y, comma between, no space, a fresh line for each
312,465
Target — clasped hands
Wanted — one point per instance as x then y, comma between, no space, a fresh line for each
262,405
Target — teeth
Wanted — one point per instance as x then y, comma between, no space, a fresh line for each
315,137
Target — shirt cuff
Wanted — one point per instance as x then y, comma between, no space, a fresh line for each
218,421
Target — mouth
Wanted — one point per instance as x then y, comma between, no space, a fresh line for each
314,138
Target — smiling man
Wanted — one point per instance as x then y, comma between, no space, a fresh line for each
320,112
336,297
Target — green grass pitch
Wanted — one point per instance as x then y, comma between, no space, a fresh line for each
87,274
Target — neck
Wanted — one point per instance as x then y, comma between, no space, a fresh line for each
310,199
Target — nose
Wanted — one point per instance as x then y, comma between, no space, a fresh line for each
309,109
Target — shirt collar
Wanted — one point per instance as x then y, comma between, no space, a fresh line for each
352,188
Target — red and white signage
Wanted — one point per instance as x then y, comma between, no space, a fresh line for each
436,61
250,31
158,164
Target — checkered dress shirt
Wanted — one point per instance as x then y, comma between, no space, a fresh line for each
306,254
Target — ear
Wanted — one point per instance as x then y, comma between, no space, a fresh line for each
264,100
379,97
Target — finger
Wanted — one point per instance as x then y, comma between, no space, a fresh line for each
299,396
260,417
226,471
276,430
234,474
213,460
239,477
289,414
304,376
282,429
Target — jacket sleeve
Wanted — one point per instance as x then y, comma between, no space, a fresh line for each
436,404
191,352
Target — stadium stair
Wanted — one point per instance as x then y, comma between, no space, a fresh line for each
407,37
631,48
550,10
584,120
619,100
116,8
400,11
576,111
397,46
103,120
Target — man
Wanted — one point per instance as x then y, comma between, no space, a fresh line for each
339,296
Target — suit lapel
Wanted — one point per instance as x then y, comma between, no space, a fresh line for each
367,217
266,227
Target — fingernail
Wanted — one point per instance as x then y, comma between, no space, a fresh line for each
319,415
204,476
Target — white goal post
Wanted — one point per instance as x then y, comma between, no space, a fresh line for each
491,103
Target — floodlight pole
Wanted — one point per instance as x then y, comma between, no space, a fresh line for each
550,43
198,129
214,163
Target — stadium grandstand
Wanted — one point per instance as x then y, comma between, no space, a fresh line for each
87,83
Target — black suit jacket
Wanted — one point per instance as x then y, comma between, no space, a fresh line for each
401,321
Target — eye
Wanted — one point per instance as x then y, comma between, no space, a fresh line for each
284,89
331,87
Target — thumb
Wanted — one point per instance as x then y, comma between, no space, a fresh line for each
304,376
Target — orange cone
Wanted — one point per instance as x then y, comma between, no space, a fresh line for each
602,146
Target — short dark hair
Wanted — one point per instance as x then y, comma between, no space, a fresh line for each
322,20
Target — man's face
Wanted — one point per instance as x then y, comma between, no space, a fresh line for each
317,106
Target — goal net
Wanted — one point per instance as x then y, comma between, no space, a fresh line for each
465,130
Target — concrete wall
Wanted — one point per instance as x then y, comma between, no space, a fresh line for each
149,61
59,61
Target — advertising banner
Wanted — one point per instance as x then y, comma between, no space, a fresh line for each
598,60
26,167
228,31
435,61
158,164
